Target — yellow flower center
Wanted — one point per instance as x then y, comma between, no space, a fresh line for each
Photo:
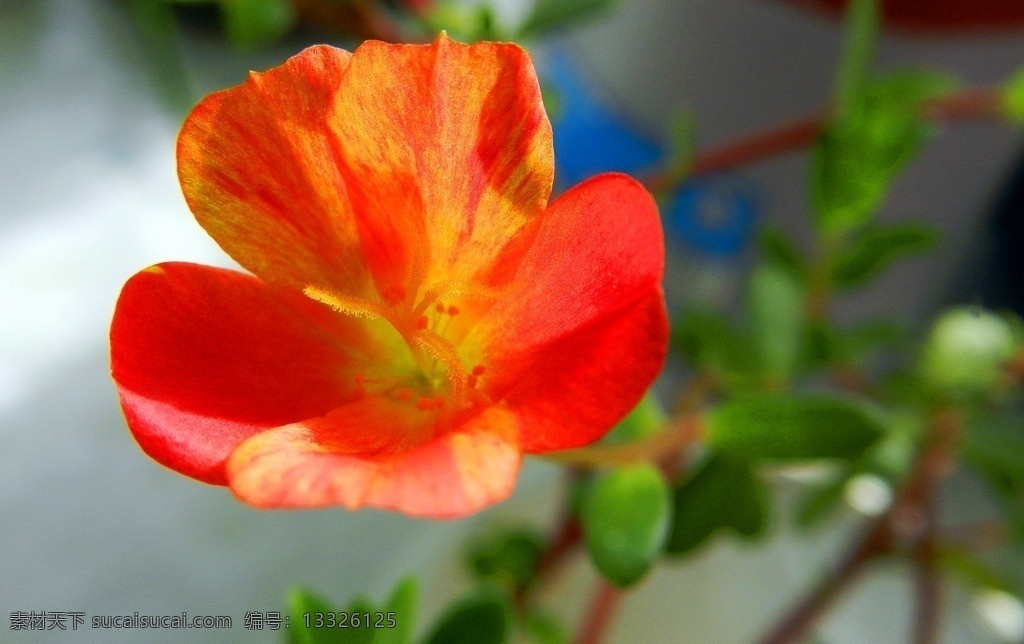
440,381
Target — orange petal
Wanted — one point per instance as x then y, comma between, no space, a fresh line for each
259,173
206,357
453,475
448,157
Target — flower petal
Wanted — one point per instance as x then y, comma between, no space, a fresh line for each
587,382
258,171
453,475
599,252
205,357
448,158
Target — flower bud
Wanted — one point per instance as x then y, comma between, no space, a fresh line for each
965,350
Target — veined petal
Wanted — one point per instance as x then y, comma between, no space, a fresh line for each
205,357
259,173
294,466
598,252
448,158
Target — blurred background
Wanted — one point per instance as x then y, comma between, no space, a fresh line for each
92,94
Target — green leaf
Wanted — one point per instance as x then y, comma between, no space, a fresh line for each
776,304
402,605
1013,98
859,154
875,247
646,419
720,493
862,29
822,499
480,618
702,336
158,34
783,427
706,340
392,624
830,346
252,23
544,628
824,346
972,570
890,459
555,15
876,335
360,615
508,558
303,602
994,446
625,521
779,250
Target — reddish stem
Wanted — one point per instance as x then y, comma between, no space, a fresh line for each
805,615
786,138
972,103
600,614
983,535
569,536
909,526
927,594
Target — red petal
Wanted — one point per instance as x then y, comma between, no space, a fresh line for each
258,170
448,157
599,251
454,475
205,357
587,382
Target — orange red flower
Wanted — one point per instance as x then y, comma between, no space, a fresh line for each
417,315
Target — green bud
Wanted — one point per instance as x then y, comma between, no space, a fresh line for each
966,349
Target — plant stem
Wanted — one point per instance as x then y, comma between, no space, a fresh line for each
677,435
911,523
568,536
927,593
797,624
756,147
971,103
983,535
599,614
935,463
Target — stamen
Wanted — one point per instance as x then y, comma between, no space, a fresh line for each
422,323
353,306
443,352
451,291
453,311
479,370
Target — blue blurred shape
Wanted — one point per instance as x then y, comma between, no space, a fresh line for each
715,214
589,137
